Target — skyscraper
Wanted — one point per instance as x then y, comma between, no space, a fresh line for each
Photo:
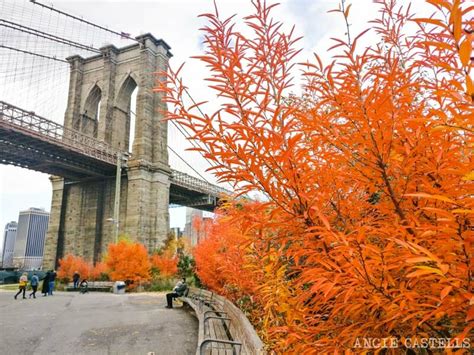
195,227
9,244
29,244
193,217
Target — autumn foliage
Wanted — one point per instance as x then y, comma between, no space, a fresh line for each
98,271
219,260
244,267
128,261
166,264
365,225
70,264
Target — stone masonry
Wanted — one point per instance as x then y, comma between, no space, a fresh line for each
99,105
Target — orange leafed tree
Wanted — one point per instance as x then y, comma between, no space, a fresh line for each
236,261
366,222
128,261
220,257
165,263
201,226
98,270
70,264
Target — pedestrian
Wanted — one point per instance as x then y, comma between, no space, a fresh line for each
178,291
75,279
52,279
22,285
45,288
34,284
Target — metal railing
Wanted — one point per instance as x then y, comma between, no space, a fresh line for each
46,130
49,131
195,184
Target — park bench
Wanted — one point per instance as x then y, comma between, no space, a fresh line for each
100,286
223,328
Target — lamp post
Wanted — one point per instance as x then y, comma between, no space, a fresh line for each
121,158
116,228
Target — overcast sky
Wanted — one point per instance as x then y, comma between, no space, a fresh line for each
177,22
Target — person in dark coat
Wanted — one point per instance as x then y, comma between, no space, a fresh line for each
45,288
76,278
52,279
178,291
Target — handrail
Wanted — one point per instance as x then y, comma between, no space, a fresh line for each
31,124
47,130
189,181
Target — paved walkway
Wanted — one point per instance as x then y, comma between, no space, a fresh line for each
95,323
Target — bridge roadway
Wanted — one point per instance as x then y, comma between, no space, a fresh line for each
33,142
95,323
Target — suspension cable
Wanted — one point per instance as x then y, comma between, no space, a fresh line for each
35,54
121,34
38,33
189,138
185,162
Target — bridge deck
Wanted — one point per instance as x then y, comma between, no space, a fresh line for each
34,142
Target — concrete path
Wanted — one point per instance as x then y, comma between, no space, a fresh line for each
95,323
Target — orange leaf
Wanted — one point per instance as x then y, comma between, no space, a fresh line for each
434,197
445,291
470,314
420,259
424,270
465,51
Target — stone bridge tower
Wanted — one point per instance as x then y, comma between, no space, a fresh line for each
100,105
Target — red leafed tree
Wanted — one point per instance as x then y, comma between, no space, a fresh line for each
128,261
236,261
70,264
366,227
220,258
98,271
201,226
165,263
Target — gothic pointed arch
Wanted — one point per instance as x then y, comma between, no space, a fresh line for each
123,100
125,103
91,105
91,112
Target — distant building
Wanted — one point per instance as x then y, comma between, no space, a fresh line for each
195,227
9,244
29,244
190,227
177,232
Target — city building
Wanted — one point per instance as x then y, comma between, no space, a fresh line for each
190,231
196,222
29,244
177,232
9,244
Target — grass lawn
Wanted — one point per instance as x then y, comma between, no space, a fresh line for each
10,287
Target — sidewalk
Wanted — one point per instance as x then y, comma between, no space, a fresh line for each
95,323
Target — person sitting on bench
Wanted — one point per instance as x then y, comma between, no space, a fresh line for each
83,286
178,291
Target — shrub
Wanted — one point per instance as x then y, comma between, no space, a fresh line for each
128,261
69,265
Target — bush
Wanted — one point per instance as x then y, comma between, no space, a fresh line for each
128,261
69,265
160,285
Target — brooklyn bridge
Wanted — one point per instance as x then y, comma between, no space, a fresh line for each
109,161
